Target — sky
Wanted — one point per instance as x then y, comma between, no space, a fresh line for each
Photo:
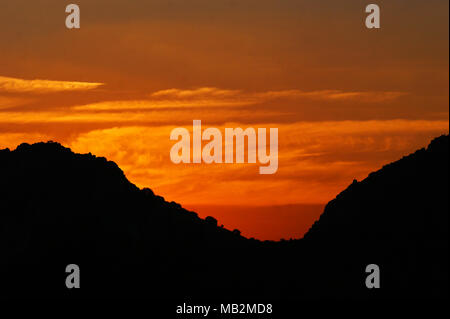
346,99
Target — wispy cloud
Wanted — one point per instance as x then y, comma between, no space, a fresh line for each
258,97
215,97
316,160
7,101
333,95
9,84
161,104
198,92
187,99
127,116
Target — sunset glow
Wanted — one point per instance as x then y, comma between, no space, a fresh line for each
345,101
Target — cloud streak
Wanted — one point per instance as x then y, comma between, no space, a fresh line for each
199,92
333,95
9,84
8,102
316,160
214,97
161,104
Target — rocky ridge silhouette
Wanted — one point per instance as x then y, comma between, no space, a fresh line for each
59,208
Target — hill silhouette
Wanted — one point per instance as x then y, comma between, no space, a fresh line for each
396,218
59,208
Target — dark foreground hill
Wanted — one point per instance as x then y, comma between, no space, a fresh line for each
396,218
59,208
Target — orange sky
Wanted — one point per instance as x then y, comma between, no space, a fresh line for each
346,100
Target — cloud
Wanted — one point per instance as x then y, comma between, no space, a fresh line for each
212,92
7,101
161,104
333,95
12,140
43,86
129,117
215,97
199,92
316,160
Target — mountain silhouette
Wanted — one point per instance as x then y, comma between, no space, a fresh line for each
60,208
396,218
